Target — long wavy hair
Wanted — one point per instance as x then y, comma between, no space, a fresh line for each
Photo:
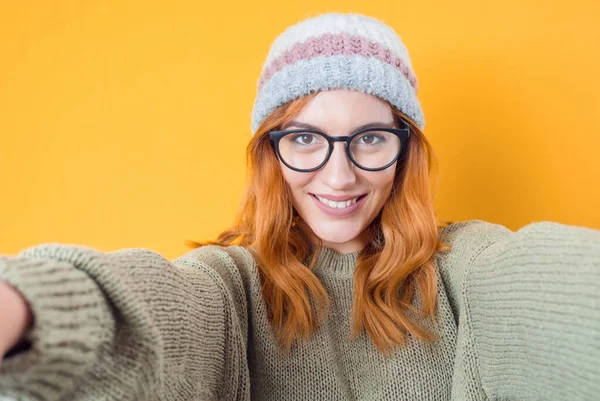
397,262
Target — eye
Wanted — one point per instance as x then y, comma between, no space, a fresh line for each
305,138
370,139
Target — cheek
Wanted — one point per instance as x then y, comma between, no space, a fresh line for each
389,182
296,181
379,181
383,188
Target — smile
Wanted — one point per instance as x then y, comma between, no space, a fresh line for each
337,205
341,208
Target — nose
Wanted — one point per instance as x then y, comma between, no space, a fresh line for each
338,173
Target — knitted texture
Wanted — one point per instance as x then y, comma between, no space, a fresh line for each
337,51
518,317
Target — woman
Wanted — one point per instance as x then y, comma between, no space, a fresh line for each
336,282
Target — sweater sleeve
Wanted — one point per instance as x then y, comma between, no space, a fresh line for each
534,301
528,312
125,325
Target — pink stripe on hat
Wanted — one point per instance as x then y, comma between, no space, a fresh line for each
334,45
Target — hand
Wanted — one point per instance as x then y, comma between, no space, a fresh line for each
15,317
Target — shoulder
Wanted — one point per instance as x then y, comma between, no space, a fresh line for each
469,238
227,262
232,267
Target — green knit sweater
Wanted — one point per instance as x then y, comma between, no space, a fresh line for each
518,318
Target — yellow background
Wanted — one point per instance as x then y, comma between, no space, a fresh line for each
124,123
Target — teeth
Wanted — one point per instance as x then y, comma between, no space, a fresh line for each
336,205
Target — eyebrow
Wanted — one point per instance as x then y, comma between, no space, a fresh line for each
299,124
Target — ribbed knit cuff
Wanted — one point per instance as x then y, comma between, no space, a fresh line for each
71,319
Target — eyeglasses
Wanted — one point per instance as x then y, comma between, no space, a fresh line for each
372,149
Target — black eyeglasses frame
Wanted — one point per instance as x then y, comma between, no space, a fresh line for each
402,133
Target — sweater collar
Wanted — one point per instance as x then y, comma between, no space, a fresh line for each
331,262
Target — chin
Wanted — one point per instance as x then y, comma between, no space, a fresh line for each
337,236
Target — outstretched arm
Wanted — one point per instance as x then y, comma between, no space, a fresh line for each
533,299
126,325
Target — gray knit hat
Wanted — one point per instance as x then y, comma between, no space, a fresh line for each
337,51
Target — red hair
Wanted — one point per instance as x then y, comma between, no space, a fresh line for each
397,261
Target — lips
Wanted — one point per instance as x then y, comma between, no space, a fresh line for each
339,209
339,198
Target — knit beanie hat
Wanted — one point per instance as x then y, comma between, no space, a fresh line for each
337,51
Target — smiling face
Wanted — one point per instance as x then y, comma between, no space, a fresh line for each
317,196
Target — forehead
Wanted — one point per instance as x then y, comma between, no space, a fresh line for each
342,110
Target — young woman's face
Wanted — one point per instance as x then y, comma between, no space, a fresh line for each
340,113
